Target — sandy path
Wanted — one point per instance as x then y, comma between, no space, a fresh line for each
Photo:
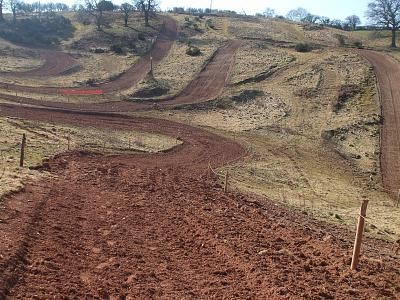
387,70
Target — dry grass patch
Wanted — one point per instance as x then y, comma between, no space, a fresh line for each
291,159
14,59
96,67
44,140
256,57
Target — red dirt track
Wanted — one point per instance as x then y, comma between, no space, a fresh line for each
208,85
387,70
55,63
159,226
127,79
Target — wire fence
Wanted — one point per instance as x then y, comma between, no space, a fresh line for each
390,237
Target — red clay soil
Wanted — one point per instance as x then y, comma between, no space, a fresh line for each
211,81
208,85
160,226
55,63
127,79
387,70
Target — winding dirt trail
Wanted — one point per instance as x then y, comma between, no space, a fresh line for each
159,226
387,70
127,79
55,63
208,85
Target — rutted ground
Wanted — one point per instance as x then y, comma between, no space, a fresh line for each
313,126
204,243
165,216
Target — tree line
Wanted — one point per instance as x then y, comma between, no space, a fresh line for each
94,8
383,14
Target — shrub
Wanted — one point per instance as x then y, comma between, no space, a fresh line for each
341,39
91,81
196,27
358,44
117,49
193,51
45,32
210,24
141,36
303,47
247,95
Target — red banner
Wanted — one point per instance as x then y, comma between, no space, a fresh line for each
80,92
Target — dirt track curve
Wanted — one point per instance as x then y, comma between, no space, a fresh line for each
387,70
55,63
160,226
127,79
151,226
208,85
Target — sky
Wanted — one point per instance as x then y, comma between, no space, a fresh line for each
334,9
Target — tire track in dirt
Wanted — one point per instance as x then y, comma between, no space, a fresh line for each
151,226
55,63
210,82
206,86
129,78
387,70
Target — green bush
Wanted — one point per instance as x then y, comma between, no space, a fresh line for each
303,47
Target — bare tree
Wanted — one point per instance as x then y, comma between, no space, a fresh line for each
269,13
14,5
147,7
1,10
325,21
126,8
297,14
310,18
353,21
97,8
385,13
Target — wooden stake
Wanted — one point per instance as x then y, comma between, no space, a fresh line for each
359,234
151,64
226,181
22,157
69,141
398,198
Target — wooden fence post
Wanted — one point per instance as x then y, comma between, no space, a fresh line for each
359,234
151,64
22,156
226,181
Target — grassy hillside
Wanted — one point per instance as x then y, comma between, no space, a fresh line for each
310,120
